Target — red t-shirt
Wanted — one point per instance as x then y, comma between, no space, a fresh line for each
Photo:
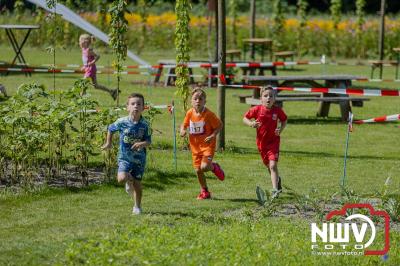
269,122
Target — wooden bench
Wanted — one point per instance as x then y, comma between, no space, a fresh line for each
284,55
170,76
355,101
331,81
233,53
242,98
397,51
379,64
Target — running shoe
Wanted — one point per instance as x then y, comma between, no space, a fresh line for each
136,210
204,195
279,183
218,172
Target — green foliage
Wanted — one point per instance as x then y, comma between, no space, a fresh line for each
278,18
336,14
360,5
233,13
50,131
118,42
143,13
390,201
302,15
19,8
51,3
182,46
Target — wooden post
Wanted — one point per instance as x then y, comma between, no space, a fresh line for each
216,30
221,71
252,27
382,37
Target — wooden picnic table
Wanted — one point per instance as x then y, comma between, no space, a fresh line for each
317,81
212,71
17,47
397,51
259,44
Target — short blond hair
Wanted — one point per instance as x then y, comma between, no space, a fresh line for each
86,37
268,88
199,90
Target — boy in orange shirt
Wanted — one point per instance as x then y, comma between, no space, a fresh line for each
203,126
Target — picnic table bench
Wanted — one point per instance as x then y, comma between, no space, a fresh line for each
212,72
17,47
324,99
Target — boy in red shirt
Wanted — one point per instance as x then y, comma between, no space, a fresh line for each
203,126
266,117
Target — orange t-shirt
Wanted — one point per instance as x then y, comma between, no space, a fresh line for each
201,126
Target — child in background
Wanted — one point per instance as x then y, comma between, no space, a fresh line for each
266,117
134,135
203,126
89,58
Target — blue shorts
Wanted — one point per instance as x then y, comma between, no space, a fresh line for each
135,169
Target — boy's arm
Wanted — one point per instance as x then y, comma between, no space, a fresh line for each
140,145
214,133
280,129
182,130
251,123
108,143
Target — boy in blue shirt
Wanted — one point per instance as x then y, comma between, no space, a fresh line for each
134,137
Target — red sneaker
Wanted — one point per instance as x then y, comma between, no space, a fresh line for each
204,195
218,172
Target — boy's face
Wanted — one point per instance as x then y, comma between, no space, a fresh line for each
198,101
267,98
135,106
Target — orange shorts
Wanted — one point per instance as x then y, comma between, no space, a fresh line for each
202,157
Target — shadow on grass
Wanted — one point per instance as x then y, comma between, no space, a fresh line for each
236,200
175,213
332,155
297,120
159,180
288,69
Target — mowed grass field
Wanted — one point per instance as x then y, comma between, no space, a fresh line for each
95,226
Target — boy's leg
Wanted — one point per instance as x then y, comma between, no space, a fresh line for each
201,178
273,168
137,186
123,177
207,164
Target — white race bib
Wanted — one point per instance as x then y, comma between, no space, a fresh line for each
196,127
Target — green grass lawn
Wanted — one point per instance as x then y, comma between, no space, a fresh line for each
95,226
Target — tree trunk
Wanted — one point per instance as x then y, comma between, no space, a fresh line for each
252,25
382,35
216,31
221,71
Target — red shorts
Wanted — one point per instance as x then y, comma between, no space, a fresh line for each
269,152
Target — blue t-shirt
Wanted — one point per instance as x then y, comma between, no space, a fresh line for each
131,132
